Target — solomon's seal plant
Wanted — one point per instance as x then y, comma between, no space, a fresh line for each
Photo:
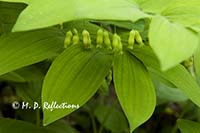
141,53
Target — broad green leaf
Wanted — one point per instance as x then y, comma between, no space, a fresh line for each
157,78
171,42
63,11
12,76
138,25
25,91
111,118
187,126
16,126
74,77
197,61
8,15
195,27
23,49
61,127
186,12
23,75
134,89
147,56
20,1
183,80
153,6
167,94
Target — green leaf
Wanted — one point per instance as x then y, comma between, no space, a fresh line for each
195,27
8,15
74,77
134,89
183,80
111,118
187,126
61,127
23,75
186,12
138,25
12,76
167,94
25,91
157,78
63,11
197,61
20,1
16,126
147,56
23,49
171,42
153,6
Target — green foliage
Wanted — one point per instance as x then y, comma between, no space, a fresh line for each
70,79
8,15
23,75
134,89
65,51
182,79
173,40
167,94
111,118
74,11
187,126
23,49
20,126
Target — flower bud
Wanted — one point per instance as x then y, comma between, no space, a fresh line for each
117,44
75,38
115,41
138,39
120,46
109,77
188,63
86,39
131,39
68,39
99,39
107,40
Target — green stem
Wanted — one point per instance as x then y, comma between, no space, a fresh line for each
38,117
101,25
92,119
61,26
115,29
93,122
